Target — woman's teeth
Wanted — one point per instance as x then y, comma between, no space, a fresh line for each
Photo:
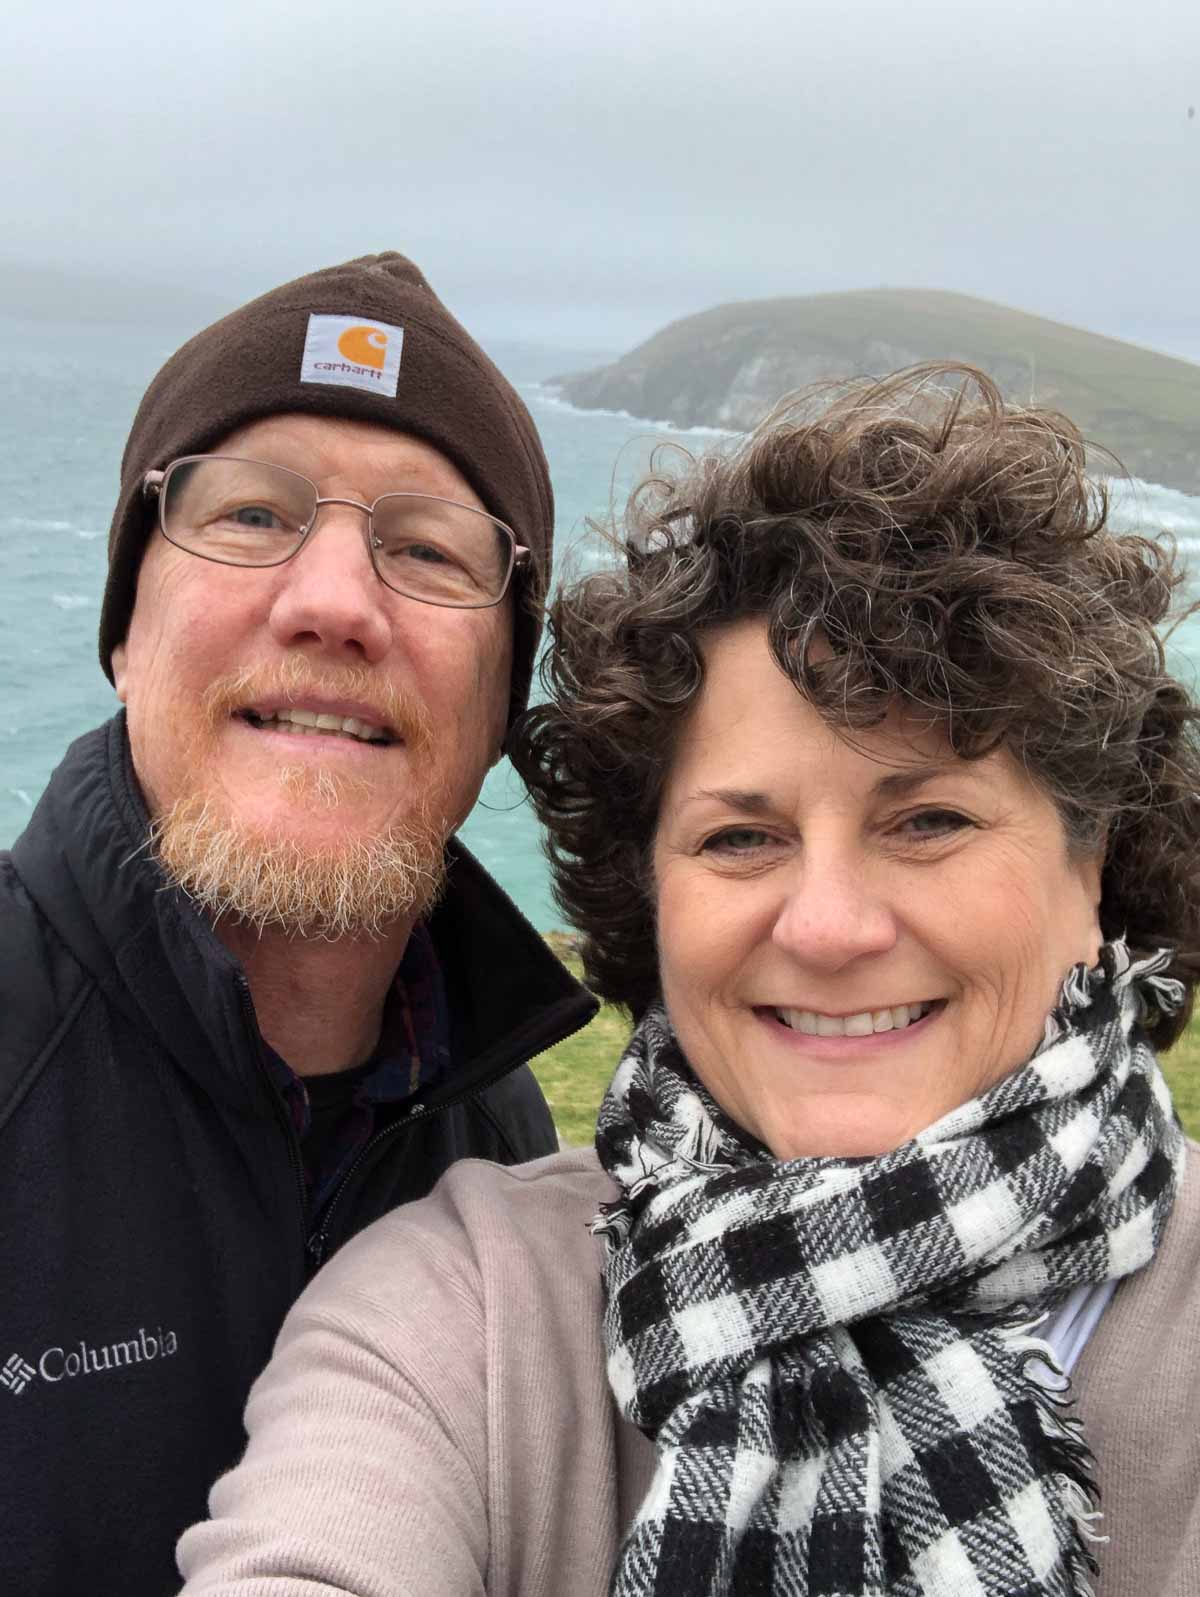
308,722
863,1024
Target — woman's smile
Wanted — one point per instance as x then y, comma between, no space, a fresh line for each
865,1034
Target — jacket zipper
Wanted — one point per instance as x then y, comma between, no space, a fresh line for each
280,1108
319,1239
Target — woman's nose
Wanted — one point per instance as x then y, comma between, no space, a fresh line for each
833,911
329,591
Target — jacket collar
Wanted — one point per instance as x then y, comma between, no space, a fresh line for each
84,860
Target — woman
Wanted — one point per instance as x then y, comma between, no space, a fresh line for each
875,804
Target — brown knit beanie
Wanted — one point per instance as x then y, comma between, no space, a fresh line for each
369,340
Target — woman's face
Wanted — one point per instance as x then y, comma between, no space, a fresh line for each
853,941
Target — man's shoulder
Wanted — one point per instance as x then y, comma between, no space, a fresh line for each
41,986
513,1120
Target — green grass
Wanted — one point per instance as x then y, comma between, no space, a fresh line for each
575,1073
1182,1069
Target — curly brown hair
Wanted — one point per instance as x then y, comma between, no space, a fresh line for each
954,557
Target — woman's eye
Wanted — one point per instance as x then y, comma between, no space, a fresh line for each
934,823
735,840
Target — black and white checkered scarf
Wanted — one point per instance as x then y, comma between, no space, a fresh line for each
836,1358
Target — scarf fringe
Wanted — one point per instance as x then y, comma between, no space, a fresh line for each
1073,1460
1144,981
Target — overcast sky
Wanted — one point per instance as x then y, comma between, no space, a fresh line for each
585,173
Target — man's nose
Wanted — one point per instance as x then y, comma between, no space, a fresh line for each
329,591
833,910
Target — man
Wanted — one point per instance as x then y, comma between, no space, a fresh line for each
252,991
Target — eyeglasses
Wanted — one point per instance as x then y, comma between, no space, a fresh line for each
250,513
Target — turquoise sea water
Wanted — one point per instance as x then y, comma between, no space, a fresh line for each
67,395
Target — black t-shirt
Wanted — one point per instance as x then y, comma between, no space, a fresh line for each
330,1099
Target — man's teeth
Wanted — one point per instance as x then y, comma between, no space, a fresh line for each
863,1024
310,722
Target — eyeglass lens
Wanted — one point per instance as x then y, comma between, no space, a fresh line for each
249,513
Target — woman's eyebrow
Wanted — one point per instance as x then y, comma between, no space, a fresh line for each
752,801
749,800
914,776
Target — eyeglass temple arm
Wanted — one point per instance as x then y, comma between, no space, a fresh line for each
520,555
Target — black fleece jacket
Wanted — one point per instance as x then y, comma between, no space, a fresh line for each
153,1231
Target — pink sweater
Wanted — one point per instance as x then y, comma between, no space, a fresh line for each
436,1420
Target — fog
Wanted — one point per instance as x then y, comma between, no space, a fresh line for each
583,174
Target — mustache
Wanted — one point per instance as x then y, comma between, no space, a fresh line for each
295,679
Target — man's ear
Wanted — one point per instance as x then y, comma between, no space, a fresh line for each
118,671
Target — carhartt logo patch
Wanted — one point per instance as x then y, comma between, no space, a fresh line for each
16,1374
346,352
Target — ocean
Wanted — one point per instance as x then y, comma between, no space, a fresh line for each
68,392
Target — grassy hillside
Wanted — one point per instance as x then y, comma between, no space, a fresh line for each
728,365
574,1075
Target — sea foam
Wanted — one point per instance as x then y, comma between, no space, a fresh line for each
549,396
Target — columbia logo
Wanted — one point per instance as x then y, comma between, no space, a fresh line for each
16,1374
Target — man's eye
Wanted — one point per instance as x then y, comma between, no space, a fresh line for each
256,516
423,551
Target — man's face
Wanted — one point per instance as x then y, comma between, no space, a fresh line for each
213,651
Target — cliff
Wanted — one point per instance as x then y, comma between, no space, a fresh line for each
727,366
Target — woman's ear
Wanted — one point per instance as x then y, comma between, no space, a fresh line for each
1090,864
